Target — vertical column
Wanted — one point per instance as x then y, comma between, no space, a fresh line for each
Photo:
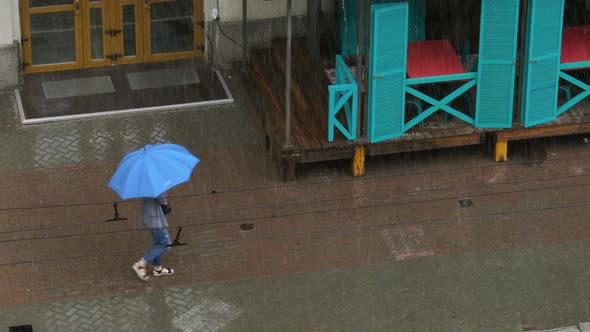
244,33
288,77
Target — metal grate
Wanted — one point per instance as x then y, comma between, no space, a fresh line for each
465,202
246,227
21,328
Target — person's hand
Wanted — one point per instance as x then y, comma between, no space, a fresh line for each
166,208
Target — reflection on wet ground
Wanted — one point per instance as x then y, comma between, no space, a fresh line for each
116,88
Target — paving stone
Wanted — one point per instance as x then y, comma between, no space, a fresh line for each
562,329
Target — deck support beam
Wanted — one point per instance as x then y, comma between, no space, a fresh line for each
501,151
358,162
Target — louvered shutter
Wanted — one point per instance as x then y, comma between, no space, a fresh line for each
497,63
389,38
543,53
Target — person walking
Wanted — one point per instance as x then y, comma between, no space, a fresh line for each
153,216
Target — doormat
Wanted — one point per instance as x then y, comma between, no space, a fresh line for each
77,87
162,78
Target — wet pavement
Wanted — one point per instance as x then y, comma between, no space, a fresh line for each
392,251
500,290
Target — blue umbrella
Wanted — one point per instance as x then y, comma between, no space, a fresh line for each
152,170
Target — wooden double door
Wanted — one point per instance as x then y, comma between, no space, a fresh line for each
73,34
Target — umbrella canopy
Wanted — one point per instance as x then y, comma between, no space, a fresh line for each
152,170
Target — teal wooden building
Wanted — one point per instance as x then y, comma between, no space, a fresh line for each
416,75
400,62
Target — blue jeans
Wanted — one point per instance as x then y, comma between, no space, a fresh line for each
160,240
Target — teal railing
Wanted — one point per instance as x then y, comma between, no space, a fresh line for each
343,96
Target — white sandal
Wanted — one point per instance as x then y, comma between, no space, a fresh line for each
141,271
163,272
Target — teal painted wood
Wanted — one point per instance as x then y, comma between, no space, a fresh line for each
441,78
497,63
387,71
343,95
575,65
542,62
583,86
348,23
440,104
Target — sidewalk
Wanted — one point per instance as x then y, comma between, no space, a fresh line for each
519,289
389,251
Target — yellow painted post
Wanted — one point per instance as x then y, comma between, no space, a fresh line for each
358,163
501,151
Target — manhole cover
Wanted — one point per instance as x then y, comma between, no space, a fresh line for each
246,227
465,202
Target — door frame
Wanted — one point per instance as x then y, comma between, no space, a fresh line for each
26,41
112,18
118,42
87,36
198,33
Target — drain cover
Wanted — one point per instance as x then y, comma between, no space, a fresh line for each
21,328
465,202
246,227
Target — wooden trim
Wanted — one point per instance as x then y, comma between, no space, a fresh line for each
25,26
118,45
52,67
51,9
199,31
87,36
147,31
198,34
544,131
25,16
79,36
172,56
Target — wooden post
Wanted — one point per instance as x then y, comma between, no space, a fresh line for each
244,34
288,78
501,151
358,162
359,67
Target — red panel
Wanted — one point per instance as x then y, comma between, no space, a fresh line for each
575,44
432,58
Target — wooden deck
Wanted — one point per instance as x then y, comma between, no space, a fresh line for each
309,119
309,116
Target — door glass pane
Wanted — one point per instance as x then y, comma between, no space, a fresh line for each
172,26
53,38
129,30
45,3
96,34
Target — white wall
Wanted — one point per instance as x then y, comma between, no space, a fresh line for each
15,20
6,34
231,10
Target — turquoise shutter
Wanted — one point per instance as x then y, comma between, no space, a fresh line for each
387,70
541,70
497,63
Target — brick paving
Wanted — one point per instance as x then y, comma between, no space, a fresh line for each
58,249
